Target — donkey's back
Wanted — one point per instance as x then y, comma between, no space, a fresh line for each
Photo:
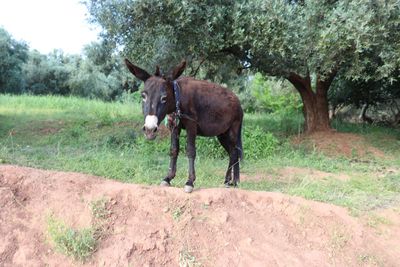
215,108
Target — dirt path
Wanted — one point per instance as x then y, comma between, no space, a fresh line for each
153,226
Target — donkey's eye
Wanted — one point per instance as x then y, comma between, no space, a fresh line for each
144,96
163,99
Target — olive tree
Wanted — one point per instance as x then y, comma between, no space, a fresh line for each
305,42
13,54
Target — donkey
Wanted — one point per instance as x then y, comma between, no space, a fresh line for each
200,107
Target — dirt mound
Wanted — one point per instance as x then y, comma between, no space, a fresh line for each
339,144
292,173
154,226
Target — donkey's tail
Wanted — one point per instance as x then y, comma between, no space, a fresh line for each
239,146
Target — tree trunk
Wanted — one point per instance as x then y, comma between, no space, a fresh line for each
315,104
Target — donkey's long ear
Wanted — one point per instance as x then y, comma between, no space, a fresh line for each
178,70
138,72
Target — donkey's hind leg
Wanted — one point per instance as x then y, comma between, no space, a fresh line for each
229,147
232,137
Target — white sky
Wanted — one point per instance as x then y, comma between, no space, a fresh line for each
48,24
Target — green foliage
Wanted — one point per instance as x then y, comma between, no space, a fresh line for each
78,244
98,73
382,95
210,147
258,143
311,40
273,95
12,56
171,30
359,193
46,74
317,37
99,209
276,37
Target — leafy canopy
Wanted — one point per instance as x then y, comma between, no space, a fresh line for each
12,55
275,37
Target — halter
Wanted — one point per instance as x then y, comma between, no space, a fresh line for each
177,98
178,112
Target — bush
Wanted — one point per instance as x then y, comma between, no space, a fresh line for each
210,147
269,95
258,144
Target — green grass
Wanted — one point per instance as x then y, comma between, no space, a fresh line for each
79,243
90,136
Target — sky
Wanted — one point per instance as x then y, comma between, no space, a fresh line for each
48,24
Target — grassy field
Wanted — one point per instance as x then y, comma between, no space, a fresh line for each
89,136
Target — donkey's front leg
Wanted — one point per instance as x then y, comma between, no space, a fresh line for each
174,151
191,153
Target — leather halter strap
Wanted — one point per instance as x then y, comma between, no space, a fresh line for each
177,95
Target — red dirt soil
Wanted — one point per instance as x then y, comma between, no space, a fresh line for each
155,226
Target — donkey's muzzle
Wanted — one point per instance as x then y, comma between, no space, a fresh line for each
150,126
150,134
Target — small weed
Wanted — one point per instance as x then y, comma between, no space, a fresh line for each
186,259
369,259
99,209
100,215
374,221
304,213
339,239
78,244
205,206
177,213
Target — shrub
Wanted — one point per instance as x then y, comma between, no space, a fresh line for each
258,144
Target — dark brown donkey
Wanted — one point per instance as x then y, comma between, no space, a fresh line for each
202,108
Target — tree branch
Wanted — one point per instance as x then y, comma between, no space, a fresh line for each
326,83
193,73
301,83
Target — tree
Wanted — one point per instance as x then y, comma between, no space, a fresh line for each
12,55
381,94
47,74
306,42
309,42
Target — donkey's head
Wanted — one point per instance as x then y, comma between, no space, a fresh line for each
158,95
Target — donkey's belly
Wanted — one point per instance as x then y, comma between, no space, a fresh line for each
215,121
212,129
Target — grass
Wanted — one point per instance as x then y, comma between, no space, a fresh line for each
105,139
79,243
177,213
186,259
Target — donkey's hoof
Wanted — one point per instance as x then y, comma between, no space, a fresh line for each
229,185
164,183
188,189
